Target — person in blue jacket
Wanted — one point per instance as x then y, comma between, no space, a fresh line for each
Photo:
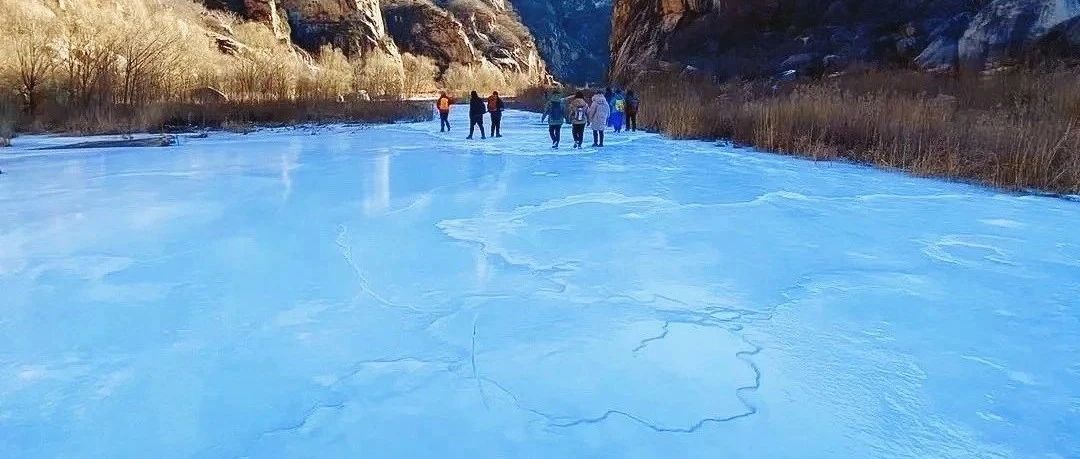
618,111
556,116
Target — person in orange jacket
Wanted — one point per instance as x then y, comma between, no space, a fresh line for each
443,105
495,108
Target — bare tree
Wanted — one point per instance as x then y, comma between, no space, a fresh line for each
89,63
146,60
419,73
34,57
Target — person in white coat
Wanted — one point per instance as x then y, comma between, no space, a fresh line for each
598,118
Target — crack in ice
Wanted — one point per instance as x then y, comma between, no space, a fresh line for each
342,242
645,342
472,358
740,393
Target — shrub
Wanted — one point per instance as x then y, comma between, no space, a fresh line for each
461,79
419,74
331,77
380,75
103,65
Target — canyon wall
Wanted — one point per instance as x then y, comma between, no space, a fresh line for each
766,37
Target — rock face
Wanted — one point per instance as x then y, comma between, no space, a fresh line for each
767,37
422,28
354,26
1005,28
572,34
467,32
1062,41
265,11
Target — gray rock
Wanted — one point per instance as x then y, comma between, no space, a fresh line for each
1062,41
747,38
834,63
1005,28
801,63
941,54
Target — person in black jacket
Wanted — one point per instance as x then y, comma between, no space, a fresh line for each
495,108
476,115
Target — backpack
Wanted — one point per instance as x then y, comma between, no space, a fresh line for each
493,104
444,103
580,114
555,110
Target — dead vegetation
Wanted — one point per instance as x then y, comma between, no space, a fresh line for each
1015,130
106,66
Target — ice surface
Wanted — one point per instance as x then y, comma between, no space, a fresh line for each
393,292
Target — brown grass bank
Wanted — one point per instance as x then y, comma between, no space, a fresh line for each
1018,130
169,116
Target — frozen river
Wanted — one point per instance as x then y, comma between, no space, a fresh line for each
393,292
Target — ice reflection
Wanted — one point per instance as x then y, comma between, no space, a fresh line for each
378,195
289,162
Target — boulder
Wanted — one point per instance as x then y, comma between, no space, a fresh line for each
802,64
208,95
834,63
228,45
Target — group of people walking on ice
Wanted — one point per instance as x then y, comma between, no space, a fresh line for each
610,108
607,109
477,107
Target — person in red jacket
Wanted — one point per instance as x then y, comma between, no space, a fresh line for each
443,105
495,108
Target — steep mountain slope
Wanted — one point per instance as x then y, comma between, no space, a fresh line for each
353,26
764,37
572,34
486,33
481,33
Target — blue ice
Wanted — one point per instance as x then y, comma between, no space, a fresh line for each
393,292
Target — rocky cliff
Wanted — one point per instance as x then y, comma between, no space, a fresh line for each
466,32
764,37
354,26
269,12
572,34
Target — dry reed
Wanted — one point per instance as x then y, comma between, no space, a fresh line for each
1019,130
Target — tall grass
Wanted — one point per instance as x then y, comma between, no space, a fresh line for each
119,65
1019,130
